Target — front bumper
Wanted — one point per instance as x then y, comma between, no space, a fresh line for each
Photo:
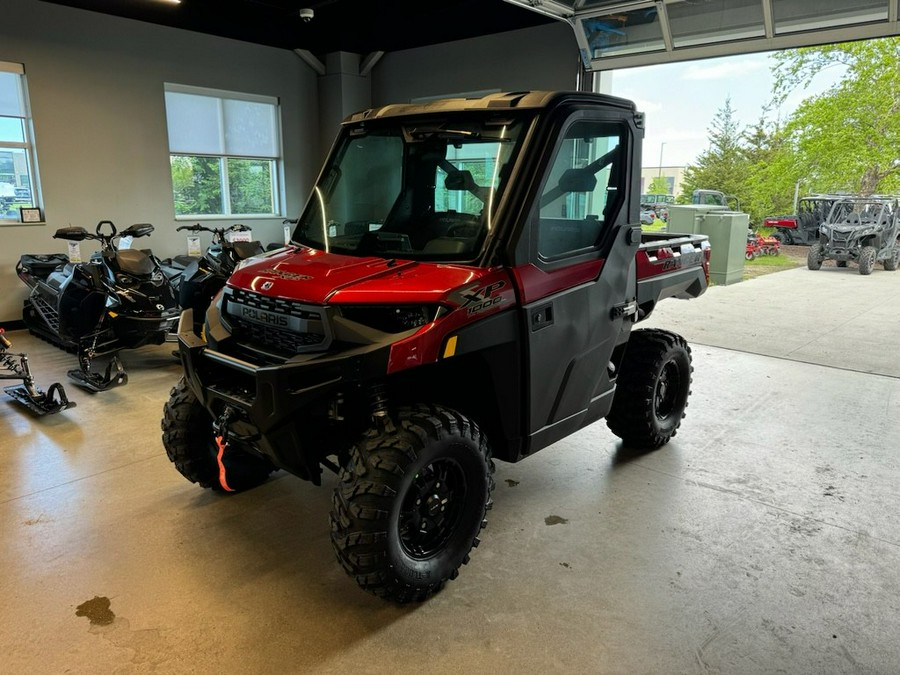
272,402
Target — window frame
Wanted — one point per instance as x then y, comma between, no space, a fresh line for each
575,255
27,145
277,161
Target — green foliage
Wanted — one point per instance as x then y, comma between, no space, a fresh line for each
847,137
659,186
725,164
250,185
197,185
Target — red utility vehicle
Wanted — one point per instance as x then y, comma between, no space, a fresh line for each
461,287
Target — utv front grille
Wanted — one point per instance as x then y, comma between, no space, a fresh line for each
840,238
272,324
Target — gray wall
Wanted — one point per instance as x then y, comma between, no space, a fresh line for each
545,57
96,89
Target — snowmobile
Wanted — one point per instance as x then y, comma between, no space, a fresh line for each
15,367
205,277
119,299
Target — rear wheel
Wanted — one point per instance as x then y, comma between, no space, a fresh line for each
191,447
891,262
867,259
411,503
652,389
815,256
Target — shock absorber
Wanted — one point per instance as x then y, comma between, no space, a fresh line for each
378,400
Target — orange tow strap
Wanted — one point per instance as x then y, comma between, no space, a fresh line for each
222,481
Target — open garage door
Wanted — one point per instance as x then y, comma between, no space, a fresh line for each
615,34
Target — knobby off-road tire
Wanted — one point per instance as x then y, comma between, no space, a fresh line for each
411,502
652,389
867,260
891,263
191,447
814,256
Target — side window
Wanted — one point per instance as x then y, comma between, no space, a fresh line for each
224,151
18,184
480,161
583,189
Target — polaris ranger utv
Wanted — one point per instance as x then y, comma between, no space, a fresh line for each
461,287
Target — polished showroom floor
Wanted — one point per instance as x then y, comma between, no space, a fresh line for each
765,538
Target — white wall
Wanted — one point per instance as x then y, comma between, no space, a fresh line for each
96,90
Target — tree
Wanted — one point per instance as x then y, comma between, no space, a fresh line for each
847,138
659,186
772,170
722,166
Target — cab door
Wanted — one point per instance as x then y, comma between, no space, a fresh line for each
576,278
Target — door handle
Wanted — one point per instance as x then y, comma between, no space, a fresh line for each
541,317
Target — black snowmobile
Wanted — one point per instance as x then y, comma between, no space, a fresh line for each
120,299
15,367
203,278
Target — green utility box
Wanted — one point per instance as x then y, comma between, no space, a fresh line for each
727,232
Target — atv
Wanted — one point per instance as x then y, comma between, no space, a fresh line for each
861,230
461,288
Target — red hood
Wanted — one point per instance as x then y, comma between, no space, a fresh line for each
320,278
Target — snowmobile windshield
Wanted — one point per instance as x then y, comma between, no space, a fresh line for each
422,191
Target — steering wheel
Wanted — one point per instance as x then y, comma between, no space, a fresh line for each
467,231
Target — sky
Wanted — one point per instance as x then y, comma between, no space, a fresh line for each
680,100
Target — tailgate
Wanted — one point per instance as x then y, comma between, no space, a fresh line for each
671,265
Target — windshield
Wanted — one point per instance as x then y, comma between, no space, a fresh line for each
424,191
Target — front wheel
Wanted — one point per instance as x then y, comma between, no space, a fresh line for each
867,259
652,389
190,445
815,256
891,262
411,503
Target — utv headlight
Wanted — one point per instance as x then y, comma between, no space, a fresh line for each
392,318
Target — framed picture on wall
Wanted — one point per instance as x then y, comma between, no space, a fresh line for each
30,215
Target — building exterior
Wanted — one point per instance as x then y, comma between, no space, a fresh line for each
673,175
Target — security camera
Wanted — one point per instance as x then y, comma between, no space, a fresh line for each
307,15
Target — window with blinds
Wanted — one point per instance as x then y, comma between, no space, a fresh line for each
225,152
18,174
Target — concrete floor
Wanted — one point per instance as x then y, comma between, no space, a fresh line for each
763,539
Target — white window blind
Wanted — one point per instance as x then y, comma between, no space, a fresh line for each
204,124
12,98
